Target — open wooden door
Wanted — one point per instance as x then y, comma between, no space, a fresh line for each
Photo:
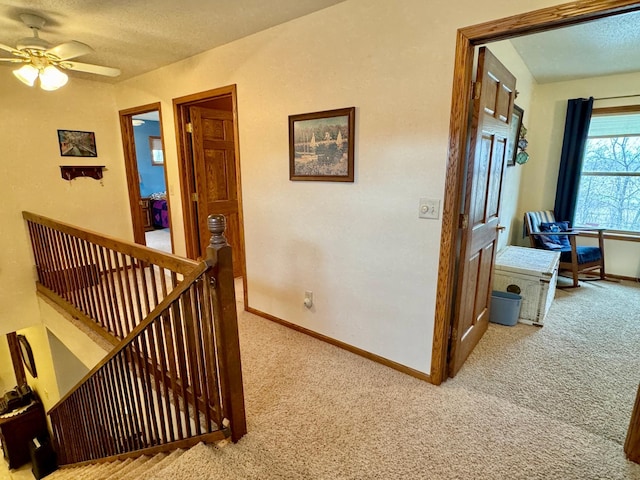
494,94
215,176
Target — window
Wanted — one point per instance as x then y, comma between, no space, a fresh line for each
609,194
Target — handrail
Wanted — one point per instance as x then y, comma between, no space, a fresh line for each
166,260
175,379
112,284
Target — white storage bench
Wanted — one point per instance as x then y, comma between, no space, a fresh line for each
532,271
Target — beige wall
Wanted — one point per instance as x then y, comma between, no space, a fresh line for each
361,248
546,129
7,375
31,179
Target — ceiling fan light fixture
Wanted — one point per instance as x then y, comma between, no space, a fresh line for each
27,74
52,79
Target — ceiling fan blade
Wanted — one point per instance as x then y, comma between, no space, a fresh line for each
13,50
68,50
88,68
12,60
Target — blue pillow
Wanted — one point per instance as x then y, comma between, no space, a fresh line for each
554,242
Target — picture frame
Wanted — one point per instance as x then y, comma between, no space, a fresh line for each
76,143
321,146
514,135
157,153
27,355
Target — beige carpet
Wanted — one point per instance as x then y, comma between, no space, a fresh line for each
531,403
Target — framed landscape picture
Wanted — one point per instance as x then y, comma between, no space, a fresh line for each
514,135
74,143
321,145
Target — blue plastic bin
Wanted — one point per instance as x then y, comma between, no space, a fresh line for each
505,308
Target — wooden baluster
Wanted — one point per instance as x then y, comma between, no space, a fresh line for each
93,283
154,286
85,278
163,282
43,253
116,406
58,266
89,414
37,250
98,286
114,303
157,374
209,351
104,440
47,259
191,359
131,358
178,331
136,286
162,353
200,340
145,288
171,360
127,409
106,307
226,321
133,320
74,272
144,378
121,272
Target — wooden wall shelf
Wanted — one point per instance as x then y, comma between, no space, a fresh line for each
69,172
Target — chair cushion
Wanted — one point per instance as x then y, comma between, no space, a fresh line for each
585,254
554,242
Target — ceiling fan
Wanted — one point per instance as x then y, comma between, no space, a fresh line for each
46,63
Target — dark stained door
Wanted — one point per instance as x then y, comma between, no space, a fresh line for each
215,176
489,132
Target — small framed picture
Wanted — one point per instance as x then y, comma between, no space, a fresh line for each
321,145
514,135
74,143
157,155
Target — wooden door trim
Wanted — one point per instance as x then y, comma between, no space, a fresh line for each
131,168
180,108
467,38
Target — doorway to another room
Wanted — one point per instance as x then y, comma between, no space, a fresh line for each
146,176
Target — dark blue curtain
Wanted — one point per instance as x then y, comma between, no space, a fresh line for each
576,128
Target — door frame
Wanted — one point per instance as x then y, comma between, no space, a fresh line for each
467,39
131,168
185,166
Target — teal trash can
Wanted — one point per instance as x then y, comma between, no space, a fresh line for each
505,308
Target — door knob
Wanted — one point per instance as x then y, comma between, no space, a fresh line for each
500,228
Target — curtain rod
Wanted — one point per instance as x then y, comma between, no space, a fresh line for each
621,96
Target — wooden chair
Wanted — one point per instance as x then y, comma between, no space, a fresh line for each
544,232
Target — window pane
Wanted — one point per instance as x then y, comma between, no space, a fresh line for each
609,202
618,154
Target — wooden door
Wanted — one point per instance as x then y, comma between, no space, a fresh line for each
215,176
493,104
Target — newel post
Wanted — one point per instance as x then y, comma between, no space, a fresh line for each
226,321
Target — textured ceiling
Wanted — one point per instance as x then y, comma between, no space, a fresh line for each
602,47
138,36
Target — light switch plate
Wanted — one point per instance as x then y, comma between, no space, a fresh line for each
429,208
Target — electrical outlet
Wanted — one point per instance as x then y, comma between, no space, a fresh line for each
429,208
308,298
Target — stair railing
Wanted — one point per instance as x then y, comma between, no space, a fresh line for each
108,283
175,380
